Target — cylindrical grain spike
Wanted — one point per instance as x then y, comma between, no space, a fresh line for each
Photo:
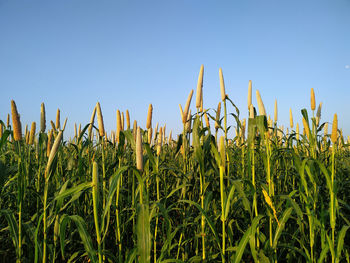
325,129
318,114
222,150
17,128
156,132
8,121
134,129
218,111
261,106
306,127
42,118
169,138
249,94
222,85
334,135
149,136
92,120
313,101
149,116
127,120
54,150
199,88
58,115
122,121
251,111
276,112
187,106
189,122
101,127
64,124
160,141
182,114
49,143
119,126
297,131
139,151
207,120
291,118
32,133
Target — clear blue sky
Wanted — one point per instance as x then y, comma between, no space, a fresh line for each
127,54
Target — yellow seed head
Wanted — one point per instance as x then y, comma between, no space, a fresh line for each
187,106
297,131
1,130
92,120
206,120
149,136
313,101
169,138
149,116
122,123
32,133
276,112
222,85
251,111
270,204
42,118
139,150
291,118
17,127
199,88
325,129
160,141
127,120
8,121
119,125
249,94
222,151
54,149
261,106
182,114
58,124
334,135
217,118
189,121
134,129
49,143
101,127
306,128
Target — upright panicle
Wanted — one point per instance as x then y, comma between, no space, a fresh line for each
313,101
260,104
139,150
218,111
318,114
275,112
17,127
251,111
122,121
134,129
199,88
32,133
92,120
58,124
42,118
222,85
149,116
101,128
249,94
127,120
334,135
187,106
119,125
160,141
206,120
291,118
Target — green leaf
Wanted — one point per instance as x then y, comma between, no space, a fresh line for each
244,240
143,233
281,226
340,244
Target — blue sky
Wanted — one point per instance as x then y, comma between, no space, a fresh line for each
127,54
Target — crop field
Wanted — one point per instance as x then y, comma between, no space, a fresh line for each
226,189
